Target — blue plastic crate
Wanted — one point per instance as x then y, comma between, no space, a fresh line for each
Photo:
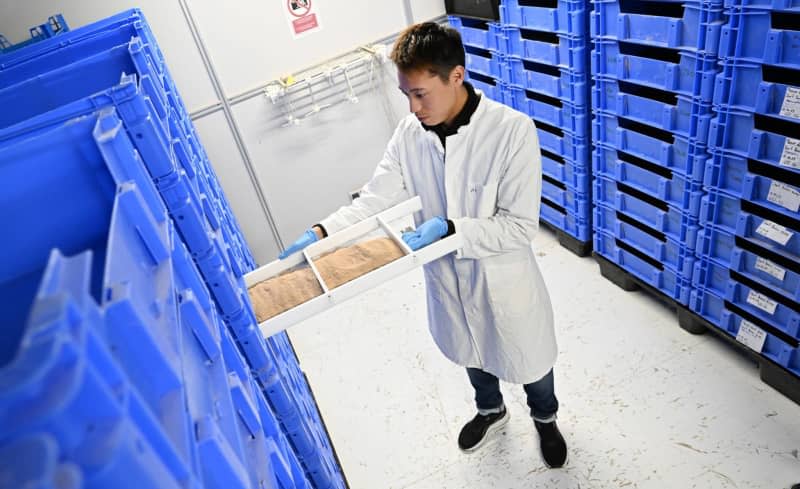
780,239
228,289
667,251
85,195
567,116
749,36
773,194
83,401
713,308
164,151
35,460
773,276
720,210
672,222
781,5
285,466
487,86
568,85
726,257
55,25
711,276
217,383
692,76
735,132
100,208
741,85
675,190
716,244
136,99
209,402
570,199
87,51
578,227
564,144
87,36
569,173
686,117
568,52
484,62
302,436
764,307
567,17
73,82
666,280
698,29
681,155
477,33
178,190
726,172
322,471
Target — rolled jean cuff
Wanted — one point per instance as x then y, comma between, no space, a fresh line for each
548,419
486,412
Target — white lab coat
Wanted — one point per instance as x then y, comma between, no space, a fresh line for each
488,306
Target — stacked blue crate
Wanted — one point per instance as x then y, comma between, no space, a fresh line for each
653,65
545,74
747,279
116,64
538,64
118,368
55,25
481,43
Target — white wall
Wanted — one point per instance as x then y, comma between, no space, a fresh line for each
308,170
423,10
249,44
252,43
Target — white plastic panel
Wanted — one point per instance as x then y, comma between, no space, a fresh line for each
389,222
427,9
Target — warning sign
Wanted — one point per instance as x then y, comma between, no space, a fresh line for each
302,17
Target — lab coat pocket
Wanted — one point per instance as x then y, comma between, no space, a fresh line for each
482,198
510,286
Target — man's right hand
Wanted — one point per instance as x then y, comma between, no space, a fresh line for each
309,237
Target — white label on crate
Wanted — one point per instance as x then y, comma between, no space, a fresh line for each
762,302
791,153
767,266
791,103
751,336
784,195
775,232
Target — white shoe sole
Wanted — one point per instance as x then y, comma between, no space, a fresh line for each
500,423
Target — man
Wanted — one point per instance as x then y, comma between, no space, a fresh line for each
476,166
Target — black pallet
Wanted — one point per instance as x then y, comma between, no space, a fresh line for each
770,372
568,241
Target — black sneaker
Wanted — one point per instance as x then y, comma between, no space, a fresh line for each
553,446
474,434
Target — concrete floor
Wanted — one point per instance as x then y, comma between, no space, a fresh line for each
643,403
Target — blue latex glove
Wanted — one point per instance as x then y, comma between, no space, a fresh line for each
306,239
428,232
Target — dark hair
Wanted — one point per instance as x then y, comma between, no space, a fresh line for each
429,46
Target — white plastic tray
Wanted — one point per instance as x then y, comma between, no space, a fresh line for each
386,221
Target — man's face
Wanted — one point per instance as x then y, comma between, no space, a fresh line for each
430,98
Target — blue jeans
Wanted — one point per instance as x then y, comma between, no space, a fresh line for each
541,394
